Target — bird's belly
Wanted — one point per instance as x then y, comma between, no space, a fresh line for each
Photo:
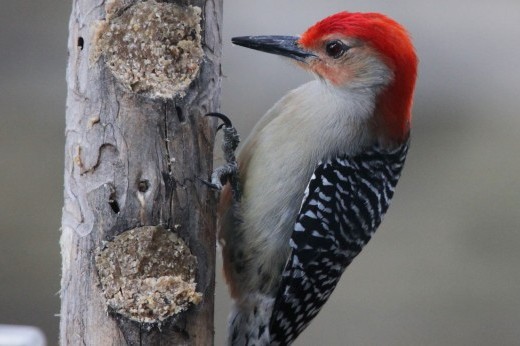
271,205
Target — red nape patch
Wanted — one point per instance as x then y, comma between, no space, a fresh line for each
392,41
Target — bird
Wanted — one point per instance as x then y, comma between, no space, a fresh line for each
313,180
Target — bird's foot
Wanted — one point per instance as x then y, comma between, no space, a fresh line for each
229,171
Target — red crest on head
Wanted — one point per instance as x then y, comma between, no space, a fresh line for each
393,42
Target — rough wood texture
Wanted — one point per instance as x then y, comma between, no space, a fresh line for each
132,161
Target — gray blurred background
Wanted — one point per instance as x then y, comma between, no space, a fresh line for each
444,267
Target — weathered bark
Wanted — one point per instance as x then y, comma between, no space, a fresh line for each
133,161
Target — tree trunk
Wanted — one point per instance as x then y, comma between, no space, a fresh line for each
135,148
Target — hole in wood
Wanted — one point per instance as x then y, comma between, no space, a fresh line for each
143,185
114,205
180,114
81,42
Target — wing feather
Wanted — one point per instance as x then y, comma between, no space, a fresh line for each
343,205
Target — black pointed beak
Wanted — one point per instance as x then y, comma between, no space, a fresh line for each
280,45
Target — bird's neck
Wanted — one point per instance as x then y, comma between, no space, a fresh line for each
340,121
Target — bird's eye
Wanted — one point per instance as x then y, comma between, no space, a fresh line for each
335,49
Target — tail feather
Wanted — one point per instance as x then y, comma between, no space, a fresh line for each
249,321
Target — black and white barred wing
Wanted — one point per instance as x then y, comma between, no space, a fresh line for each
344,203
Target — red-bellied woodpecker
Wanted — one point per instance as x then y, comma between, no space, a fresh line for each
316,174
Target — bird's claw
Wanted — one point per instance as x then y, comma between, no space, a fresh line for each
231,137
229,171
209,184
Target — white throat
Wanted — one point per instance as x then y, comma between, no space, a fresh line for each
320,120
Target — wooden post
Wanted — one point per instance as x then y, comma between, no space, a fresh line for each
140,76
